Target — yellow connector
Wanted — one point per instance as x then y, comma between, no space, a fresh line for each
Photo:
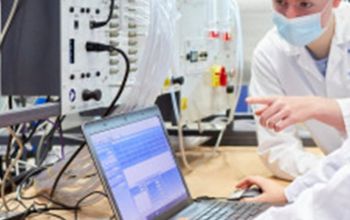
167,83
215,75
184,104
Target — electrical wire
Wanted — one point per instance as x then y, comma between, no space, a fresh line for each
20,196
47,139
10,102
50,214
60,131
239,67
9,21
41,143
20,203
125,78
8,171
45,211
96,47
24,139
95,24
179,121
7,154
33,131
85,197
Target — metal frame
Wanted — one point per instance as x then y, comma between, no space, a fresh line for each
29,114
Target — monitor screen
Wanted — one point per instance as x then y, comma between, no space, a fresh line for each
139,167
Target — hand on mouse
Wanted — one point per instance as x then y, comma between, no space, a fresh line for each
272,192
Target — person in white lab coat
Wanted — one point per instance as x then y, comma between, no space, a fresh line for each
322,194
306,57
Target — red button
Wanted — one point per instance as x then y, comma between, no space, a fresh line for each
223,77
214,34
227,36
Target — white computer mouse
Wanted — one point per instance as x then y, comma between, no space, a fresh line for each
245,193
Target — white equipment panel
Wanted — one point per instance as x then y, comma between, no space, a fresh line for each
207,57
90,80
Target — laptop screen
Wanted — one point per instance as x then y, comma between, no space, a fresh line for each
139,167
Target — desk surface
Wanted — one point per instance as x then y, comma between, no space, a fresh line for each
212,174
215,174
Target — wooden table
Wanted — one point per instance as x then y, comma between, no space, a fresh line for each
212,174
215,174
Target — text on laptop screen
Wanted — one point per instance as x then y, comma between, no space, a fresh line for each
141,172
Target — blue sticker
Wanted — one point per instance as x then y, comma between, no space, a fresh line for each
72,95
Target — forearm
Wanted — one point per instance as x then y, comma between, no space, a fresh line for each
289,163
283,152
344,105
325,200
329,112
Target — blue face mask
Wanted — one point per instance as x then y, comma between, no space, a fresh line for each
299,31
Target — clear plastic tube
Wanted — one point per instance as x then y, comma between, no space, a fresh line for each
234,7
213,15
156,58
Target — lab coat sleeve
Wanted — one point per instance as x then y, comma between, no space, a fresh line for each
324,201
320,174
282,152
345,110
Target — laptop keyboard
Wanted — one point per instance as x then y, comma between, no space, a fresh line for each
220,210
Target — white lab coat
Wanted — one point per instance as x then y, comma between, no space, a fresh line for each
280,69
322,194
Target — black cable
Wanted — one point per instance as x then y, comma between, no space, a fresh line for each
45,211
66,165
82,199
26,139
96,47
1,168
48,140
53,215
125,79
16,200
7,154
33,172
64,206
30,173
50,137
32,210
10,139
10,102
9,142
96,24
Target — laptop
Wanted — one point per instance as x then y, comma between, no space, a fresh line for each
140,174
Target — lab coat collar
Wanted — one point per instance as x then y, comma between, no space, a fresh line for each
342,30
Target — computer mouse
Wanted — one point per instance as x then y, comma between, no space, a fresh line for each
245,193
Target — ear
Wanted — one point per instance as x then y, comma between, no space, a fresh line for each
336,3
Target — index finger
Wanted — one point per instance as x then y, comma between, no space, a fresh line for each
246,182
260,100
